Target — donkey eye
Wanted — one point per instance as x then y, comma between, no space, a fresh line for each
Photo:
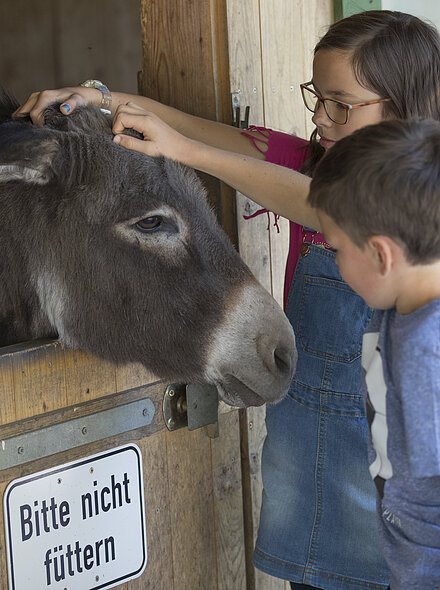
149,223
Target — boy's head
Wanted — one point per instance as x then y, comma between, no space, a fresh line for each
380,188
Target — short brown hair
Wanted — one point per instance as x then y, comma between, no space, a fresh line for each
384,179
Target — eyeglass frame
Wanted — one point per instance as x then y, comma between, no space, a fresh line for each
347,106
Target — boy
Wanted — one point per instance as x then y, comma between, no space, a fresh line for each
377,194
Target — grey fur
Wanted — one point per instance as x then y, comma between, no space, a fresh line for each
75,265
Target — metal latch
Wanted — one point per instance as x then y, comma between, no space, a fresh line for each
192,405
237,122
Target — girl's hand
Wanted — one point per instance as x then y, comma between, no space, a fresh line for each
69,97
159,138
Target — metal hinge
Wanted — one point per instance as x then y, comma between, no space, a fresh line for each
191,405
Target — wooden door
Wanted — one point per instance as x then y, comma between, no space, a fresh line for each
192,483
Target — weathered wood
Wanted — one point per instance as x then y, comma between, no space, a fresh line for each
87,377
50,44
191,509
158,574
228,504
271,51
38,373
185,65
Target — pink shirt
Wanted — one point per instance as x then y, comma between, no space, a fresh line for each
291,152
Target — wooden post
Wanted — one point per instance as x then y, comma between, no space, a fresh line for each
186,65
271,51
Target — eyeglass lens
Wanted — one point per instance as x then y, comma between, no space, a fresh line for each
335,110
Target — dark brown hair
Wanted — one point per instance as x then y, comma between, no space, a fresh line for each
384,179
395,55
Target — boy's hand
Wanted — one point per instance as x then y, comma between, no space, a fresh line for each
159,138
70,98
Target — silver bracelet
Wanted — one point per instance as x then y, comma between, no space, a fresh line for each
106,100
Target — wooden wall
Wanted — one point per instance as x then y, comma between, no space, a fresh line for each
50,43
55,43
270,53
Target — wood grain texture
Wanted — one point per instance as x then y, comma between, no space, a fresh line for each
185,65
271,50
50,44
228,504
194,560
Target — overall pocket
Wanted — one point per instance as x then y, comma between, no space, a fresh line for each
331,319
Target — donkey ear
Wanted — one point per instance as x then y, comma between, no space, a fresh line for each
26,153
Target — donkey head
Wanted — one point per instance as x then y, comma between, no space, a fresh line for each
120,254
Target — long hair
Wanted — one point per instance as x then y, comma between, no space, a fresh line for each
395,55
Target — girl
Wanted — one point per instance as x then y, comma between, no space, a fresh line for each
317,526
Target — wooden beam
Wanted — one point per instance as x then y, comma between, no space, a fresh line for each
186,65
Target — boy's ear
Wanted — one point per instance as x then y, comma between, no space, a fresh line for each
383,250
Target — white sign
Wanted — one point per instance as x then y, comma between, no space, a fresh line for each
78,526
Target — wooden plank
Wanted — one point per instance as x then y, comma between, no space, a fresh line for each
191,509
289,32
228,498
158,574
99,39
185,55
87,377
278,42
49,44
185,65
26,46
7,394
39,380
254,238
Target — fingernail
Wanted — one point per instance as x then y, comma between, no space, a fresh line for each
66,107
117,139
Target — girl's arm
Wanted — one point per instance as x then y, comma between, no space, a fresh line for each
209,146
277,188
210,132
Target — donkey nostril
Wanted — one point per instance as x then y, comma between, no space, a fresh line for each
283,360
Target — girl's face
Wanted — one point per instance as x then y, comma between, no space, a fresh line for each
333,77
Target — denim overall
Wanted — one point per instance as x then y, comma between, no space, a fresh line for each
318,518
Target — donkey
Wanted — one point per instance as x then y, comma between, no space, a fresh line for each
120,255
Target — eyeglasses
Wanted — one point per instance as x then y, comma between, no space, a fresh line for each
336,110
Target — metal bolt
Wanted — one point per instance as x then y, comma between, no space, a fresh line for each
170,422
84,430
91,470
144,412
59,480
20,450
171,393
251,425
